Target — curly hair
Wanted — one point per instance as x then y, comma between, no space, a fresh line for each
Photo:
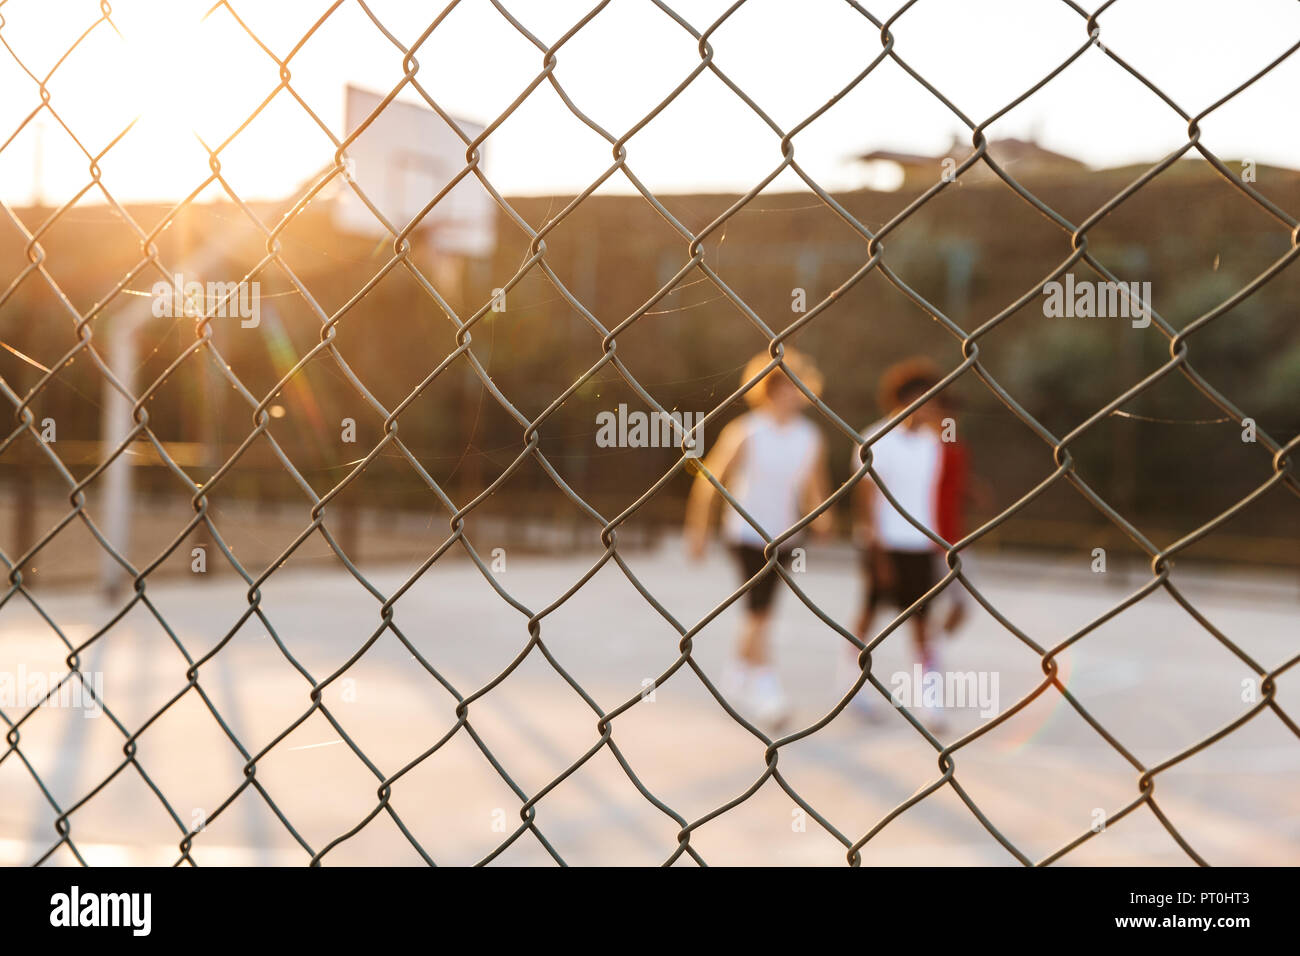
904,381
800,364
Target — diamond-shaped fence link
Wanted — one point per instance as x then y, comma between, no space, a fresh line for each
83,343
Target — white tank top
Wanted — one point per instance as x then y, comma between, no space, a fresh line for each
773,466
908,462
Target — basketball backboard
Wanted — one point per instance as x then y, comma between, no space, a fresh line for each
401,161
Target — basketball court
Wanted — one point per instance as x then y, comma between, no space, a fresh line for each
1153,677
391,176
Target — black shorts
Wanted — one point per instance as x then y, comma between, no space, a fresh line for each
750,560
914,573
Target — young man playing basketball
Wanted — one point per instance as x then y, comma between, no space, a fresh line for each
772,460
900,563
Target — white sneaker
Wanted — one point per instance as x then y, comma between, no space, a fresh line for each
735,681
863,704
767,700
933,719
846,675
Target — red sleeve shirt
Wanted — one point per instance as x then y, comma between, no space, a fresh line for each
950,493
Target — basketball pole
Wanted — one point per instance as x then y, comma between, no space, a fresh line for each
122,355
115,425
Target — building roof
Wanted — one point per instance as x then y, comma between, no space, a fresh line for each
1006,151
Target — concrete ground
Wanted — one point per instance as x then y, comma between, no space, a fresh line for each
1153,677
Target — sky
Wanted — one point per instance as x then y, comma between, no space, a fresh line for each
182,75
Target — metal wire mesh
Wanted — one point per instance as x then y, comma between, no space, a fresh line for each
81,343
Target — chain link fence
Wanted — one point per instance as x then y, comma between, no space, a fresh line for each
602,341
